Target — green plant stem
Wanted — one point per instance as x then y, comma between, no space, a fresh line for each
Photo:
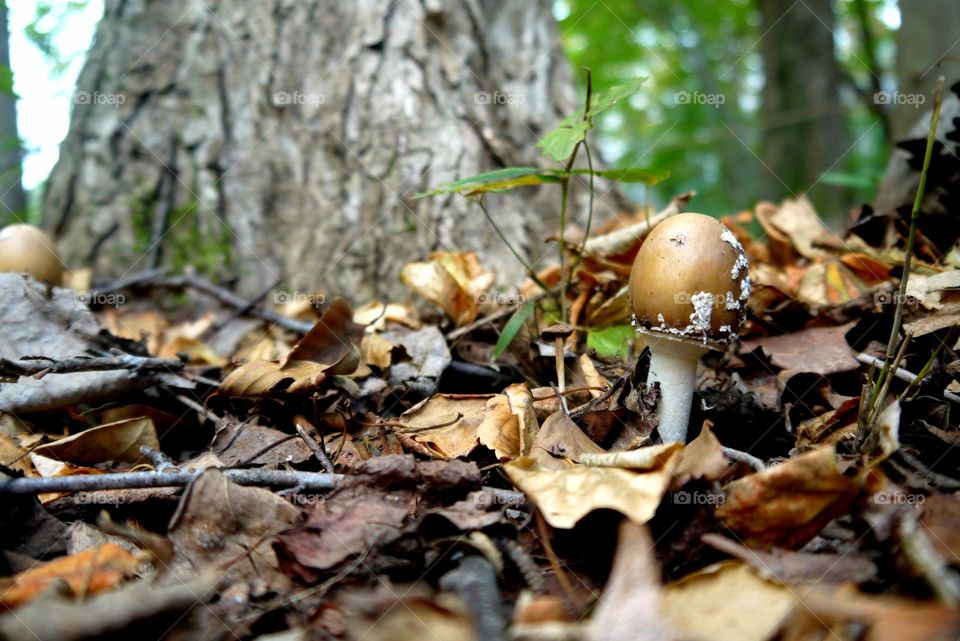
586,232
914,216
564,193
526,265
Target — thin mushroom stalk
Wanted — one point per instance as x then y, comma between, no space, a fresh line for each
689,288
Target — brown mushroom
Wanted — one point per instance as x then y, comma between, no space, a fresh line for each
558,333
689,288
24,248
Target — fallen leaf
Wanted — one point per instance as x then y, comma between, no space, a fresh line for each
329,348
789,503
453,281
87,572
726,602
119,441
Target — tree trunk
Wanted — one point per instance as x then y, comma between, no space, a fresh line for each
804,132
12,199
929,32
287,139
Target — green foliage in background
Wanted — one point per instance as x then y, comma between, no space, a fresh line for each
692,51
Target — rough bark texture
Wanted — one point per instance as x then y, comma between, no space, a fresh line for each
929,33
12,201
804,132
287,138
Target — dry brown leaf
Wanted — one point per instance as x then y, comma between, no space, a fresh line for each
329,348
376,350
500,430
824,614
702,458
789,503
726,602
560,442
87,572
817,350
460,436
565,496
119,441
376,315
453,281
521,404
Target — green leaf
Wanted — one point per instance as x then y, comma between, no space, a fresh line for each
499,180
609,98
559,143
632,175
611,341
511,329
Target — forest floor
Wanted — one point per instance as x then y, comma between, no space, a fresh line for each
299,468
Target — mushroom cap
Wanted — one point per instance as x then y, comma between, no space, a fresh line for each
24,248
690,280
557,330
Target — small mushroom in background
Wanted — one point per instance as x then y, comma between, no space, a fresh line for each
25,248
557,334
689,288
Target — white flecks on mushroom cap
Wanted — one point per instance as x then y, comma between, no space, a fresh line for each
731,303
745,286
702,303
728,237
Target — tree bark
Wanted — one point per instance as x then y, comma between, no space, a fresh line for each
12,200
804,132
929,31
287,139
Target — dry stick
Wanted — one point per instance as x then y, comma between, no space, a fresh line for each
318,451
41,365
240,311
923,556
221,294
744,457
178,478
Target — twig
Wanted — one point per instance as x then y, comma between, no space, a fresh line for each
40,366
475,581
318,451
240,311
179,478
161,462
744,457
204,286
920,552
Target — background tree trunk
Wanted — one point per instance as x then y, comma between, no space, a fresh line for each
12,199
804,133
929,31
287,139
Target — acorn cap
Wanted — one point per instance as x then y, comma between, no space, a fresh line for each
690,281
24,248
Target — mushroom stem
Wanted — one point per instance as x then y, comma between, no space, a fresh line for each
558,342
673,364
